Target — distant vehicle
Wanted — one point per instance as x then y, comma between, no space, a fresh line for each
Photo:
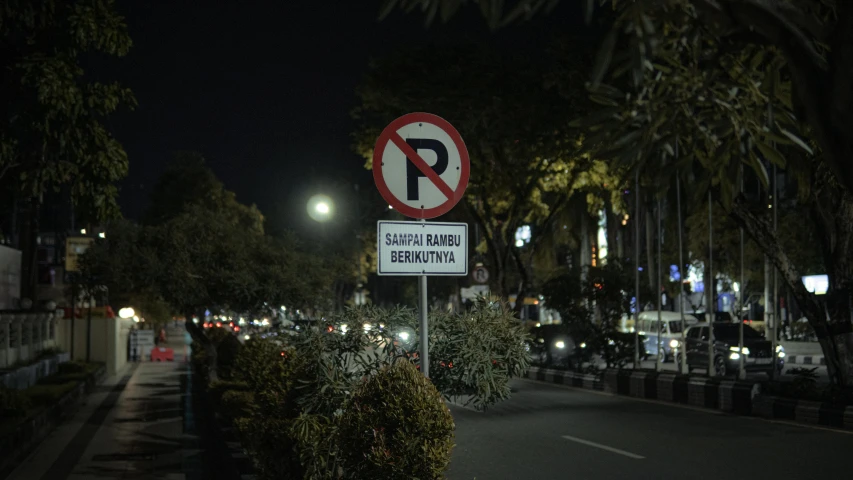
670,332
551,345
756,349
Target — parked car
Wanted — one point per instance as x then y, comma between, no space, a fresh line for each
756,349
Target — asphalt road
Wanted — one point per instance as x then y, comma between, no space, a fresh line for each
551,432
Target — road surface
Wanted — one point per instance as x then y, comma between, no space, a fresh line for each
551,432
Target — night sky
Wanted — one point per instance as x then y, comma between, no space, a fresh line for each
264,89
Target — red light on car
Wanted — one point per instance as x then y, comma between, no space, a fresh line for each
230,324
236,329
218,324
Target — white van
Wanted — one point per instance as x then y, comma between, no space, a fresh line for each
670,329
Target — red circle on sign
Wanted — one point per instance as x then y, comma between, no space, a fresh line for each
382,143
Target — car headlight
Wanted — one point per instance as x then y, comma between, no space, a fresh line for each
780,354
779,348
560,344
404,336
744,351
583,344
673,343
344,328
367,327
734,356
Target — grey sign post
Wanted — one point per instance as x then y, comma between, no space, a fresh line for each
421,189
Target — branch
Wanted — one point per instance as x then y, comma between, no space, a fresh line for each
760,230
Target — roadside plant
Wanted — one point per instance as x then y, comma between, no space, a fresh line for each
396,427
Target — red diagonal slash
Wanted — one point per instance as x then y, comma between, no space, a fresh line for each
422,166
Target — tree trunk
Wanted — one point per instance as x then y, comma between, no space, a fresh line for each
29,248
524,284
198,335
832,318
497,264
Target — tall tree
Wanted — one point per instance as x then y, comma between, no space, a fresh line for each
524,160
730,81
52,131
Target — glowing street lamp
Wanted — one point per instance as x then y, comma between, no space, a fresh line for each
320,208
126,312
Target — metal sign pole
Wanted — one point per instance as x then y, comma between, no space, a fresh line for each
424,305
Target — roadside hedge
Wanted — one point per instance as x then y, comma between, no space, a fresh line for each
348,401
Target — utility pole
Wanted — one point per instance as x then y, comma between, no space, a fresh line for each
712,370
681,268
770,323
741,374
637,269
660,353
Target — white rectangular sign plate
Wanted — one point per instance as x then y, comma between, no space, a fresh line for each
422,248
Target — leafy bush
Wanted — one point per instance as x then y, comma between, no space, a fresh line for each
226,355
301,389
237,404
396,426
69,368
44,395
199,360
477,353
13,403
269,443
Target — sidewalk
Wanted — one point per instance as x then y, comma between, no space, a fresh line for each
143,423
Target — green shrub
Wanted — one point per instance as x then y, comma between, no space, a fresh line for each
226,355
44,395
68,368
13,403
236,404
396,426
268,442
63,378
477,353
199,361
217,389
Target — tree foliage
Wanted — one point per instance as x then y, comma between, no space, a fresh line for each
522,171
733,85
52,129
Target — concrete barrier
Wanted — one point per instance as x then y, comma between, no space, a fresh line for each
731,396
726,395
805,360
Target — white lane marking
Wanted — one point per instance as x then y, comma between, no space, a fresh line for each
604,447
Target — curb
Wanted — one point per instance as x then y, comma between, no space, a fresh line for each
805,360
803,411
725,395
731,396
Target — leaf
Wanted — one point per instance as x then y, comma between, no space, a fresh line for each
588,10
797,140
601,100
595,118
758,167
771,154
604,57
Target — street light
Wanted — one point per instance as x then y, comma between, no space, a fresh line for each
320,208
126,312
